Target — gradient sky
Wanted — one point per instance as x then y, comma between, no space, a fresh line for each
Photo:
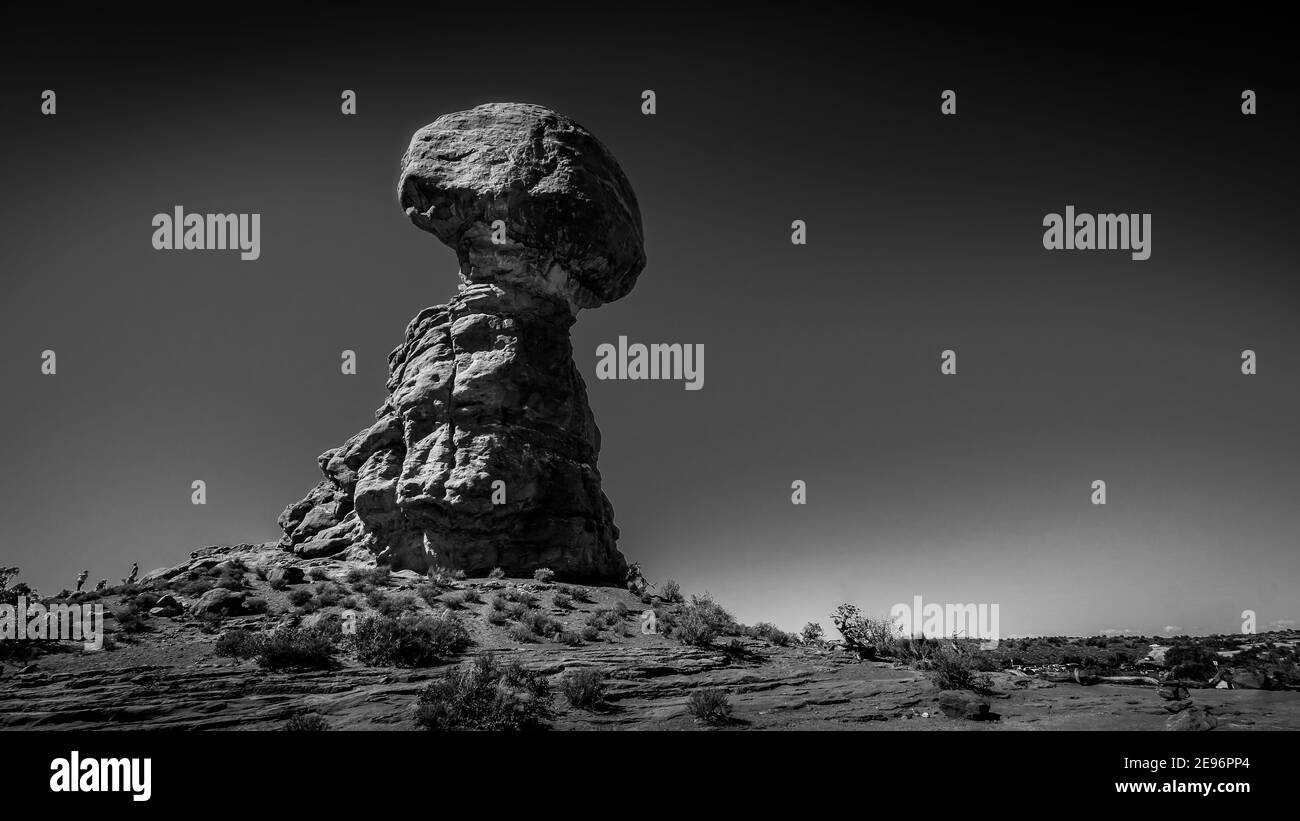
821,361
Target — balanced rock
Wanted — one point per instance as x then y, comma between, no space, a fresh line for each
484,453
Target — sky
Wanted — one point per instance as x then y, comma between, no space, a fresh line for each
924,234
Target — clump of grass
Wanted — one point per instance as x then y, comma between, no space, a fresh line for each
319,574
710,706
497,573
452,601
522,634
483,695
306,723
397,604
409,641
584,688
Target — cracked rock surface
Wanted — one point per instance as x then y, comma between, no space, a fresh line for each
484,453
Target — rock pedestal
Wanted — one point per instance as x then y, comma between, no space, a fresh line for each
484,453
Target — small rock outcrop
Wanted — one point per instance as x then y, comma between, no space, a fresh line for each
484,453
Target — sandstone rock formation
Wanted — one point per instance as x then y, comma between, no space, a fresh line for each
484,389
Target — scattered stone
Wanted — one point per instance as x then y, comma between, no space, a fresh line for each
1190,720
219,601
964,704
287,574
1174,693
167,605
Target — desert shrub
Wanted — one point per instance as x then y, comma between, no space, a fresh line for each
580,594
523,597
563,601
145,601
1071,658
869,636
299,597
671,591
350,602
584,688
1190,661
515,610
693,629
497,573
589,633
398,603
540,623
543,575
718,618
709,705
297,647
471,595
452,601
319,574
365,579
770,633
129,620
620,609
482,695
496,617
306,723
522,634
811,633
569,637
328,594
409,641
444,576
279,584
602,618
194,588
497,602
952,670
240,644
255,604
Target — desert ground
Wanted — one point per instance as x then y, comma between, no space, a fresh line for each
183,652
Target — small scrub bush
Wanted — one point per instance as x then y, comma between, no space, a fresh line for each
483,695
543,575
584,688
671,591
409,641
710,706
306,723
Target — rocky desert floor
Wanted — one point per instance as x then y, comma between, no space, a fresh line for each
168,675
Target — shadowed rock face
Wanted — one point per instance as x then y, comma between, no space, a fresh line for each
484,389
